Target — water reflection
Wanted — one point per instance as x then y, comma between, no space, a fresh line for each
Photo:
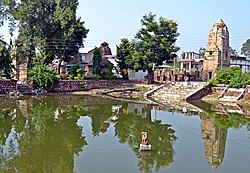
129,128
216,119
214,141
31,141
43,135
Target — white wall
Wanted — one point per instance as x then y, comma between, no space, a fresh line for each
132,75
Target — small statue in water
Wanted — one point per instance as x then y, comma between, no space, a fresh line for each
145,146
144,138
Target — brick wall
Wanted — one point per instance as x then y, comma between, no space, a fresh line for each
7,85
73,85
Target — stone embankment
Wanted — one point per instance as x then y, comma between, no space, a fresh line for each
178,90
67,85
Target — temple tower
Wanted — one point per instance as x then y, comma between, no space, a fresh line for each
217,52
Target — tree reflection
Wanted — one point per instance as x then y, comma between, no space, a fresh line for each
44,144
5,124
161,137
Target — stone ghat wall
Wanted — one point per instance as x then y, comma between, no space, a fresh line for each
75,85
7,85
201,93
219,88
247,95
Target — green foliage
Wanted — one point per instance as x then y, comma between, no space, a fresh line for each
47,26
230,121
212,81
5,60
124,56
232,52
245,49
76,72
83,84
109,74
225,76
232,76
42,76
155,43
158,39
97,58
240,81
202,51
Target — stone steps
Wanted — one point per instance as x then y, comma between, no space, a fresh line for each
177,90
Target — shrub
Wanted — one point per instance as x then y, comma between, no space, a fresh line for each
225,76
42,76
76,72
212,81
240,81
233,76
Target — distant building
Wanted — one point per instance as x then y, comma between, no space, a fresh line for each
86,59
191,61
242,62
217,52
137,75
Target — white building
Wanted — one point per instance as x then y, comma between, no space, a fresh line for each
137,75
242,62
191,61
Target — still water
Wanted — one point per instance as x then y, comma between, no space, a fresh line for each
76,134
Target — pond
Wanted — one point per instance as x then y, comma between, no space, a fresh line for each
75,134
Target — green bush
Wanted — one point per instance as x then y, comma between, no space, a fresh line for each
212,81
42,76
240,81
232,76
225,76
76,72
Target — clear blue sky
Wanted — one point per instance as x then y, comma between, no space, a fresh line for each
111,20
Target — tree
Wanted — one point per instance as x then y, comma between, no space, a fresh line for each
49,27
6,9
245,49
5,60
70,31
97,58
202,51
42,76
124,56
232,52
155,44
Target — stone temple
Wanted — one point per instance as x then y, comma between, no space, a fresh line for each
217,52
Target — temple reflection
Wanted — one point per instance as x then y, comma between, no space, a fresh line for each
214,141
